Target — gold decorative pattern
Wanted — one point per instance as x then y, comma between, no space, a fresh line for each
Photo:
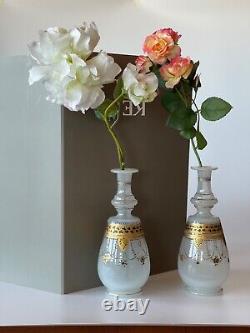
124,233
106,257
200,232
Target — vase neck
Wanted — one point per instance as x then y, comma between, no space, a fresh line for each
204,199
124,200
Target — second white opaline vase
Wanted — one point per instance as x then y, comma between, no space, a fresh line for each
203,261
123,262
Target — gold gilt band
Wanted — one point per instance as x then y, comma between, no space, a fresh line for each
199,232
124,233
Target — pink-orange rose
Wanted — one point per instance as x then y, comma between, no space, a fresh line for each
168,31
161,45
143,64
178,68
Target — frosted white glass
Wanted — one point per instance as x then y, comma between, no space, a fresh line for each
124,271
204,268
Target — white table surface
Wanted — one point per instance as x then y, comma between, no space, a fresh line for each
169,304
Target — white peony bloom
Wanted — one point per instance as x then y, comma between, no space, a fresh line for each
53,45
84,39
50,53
62,65
46,72
140,87
84,90
77,84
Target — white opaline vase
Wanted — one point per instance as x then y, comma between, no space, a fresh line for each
123,262
203,261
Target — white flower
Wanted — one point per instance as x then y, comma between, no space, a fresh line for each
46,72
104,67
140,87
52,46
77,84
70,78
55,46
84,39
84,90
50,51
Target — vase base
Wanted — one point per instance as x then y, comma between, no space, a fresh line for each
204,292
129,293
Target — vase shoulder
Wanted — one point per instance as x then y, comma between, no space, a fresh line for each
125,171
204,219
207,168
131,219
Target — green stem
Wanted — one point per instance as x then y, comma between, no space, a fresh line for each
198,115
192,140
113,103
198,129
197,109
196,152
198,121
119,149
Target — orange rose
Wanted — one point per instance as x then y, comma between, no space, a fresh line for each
161,45
178,68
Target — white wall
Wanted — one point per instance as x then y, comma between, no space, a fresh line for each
215,32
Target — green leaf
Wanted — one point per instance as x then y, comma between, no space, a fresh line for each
201,141
118,88
182,120
112,112
185,88
214,108
188,133
172,102
161,82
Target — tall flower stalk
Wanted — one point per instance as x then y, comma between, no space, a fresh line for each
135,85
110,126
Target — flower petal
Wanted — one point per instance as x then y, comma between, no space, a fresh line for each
106,68
140,87
136,100
172,82
73,95
84,39
99,98
92,97
175,52
188,71
37,73
129,76
151,81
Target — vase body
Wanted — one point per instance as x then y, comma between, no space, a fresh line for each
203,261
123,262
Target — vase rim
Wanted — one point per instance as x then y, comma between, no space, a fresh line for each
125,171
205,167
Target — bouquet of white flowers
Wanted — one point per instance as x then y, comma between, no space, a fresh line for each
74,76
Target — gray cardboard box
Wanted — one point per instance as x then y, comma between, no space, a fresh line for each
56,188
